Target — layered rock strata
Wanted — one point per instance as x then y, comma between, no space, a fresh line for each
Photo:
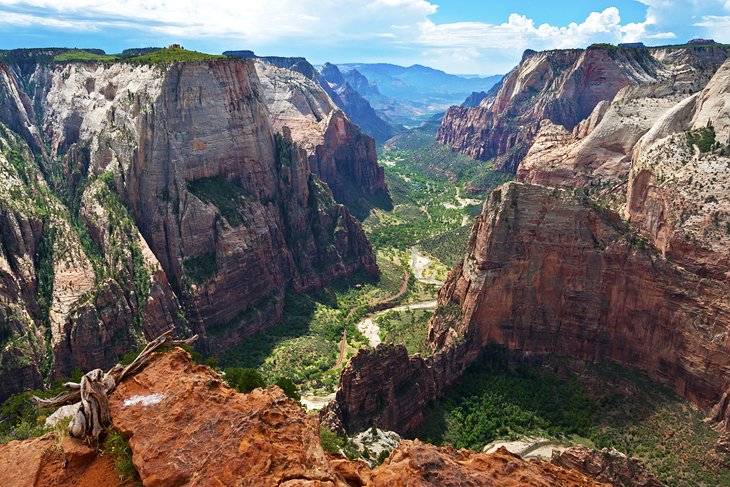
546,272
338,152
564,87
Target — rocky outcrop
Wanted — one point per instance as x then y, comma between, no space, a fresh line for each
16,109
475,99
546,272
329,78
598,150
607,466
428,465
387,388
220,437
360,83
564,87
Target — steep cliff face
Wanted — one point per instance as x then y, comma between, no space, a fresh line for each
598,150
165,183
232,213
330,80
388,388
564,87
338,152
546,273
678,185
69,304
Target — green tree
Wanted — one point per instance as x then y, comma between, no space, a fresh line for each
243,379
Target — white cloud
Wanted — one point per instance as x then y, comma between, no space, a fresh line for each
394,30
521,31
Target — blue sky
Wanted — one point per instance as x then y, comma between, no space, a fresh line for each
458,36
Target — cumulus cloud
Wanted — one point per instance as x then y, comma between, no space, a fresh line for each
394,30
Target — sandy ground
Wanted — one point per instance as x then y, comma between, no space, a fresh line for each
419,263
528,448
315,403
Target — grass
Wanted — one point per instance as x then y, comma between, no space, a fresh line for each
83,56
603,405
117,447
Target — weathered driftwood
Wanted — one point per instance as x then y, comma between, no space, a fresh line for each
93,391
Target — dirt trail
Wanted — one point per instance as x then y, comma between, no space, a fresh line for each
401,292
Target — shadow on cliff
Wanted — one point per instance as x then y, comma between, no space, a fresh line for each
304,344
361,204
603,405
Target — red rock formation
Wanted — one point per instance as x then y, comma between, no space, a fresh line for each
386,387
52,462
606,466
564,86
548,273
415,463
186,427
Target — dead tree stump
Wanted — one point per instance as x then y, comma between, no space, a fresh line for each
92,393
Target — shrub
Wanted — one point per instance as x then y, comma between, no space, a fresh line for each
289,388
244,379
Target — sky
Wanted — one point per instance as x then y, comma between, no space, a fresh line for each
458,36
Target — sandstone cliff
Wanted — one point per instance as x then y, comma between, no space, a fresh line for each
167,200
338,152
548,273
186,427
564,87
329,79
679,180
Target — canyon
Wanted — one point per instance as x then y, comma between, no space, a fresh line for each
612,246
159,195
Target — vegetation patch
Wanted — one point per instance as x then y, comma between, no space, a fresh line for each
703,138
174,54
83,56
408,328
117,447
225,195
603,405
304,345
202,267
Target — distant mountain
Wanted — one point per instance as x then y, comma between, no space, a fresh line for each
355,104
474,99
409,95
356,107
